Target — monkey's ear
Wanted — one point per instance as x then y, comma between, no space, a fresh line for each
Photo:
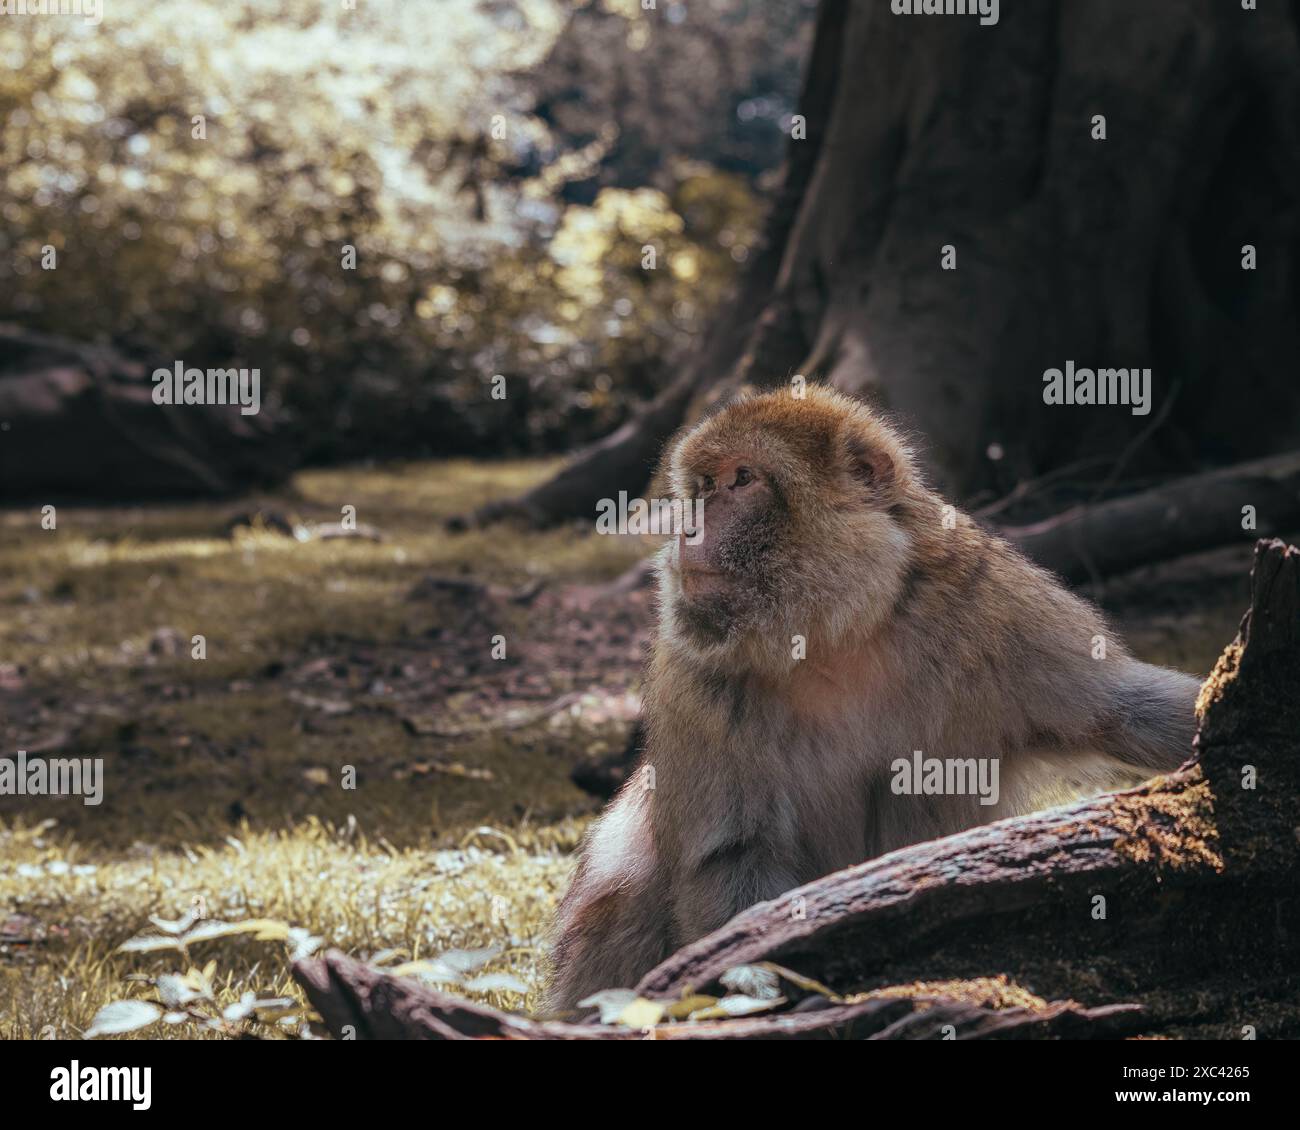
870,467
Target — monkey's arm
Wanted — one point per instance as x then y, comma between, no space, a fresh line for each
612,926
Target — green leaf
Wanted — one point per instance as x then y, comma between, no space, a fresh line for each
174,990
448,968
737,1006
122,1016
302,943
752,981
241,1009
149,943
641,1013
495,983
611,1003
680,1010
466,961
170,926
263,929
435,972
798,980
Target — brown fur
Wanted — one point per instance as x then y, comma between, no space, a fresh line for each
770,771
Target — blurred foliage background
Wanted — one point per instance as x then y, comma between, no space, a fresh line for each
498,166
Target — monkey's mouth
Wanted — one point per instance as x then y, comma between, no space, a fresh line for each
697,583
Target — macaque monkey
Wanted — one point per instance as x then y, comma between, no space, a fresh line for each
837,616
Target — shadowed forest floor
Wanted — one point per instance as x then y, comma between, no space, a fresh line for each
225,776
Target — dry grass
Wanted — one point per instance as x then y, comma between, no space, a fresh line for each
366,897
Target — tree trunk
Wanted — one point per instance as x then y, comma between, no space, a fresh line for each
1127,252
1167,910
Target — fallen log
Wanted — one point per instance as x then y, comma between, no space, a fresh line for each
80,422
1169,909
357,1001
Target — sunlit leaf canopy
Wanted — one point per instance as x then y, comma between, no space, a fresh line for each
200,168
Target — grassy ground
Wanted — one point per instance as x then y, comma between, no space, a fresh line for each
226,776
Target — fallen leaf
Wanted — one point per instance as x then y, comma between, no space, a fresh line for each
122,1016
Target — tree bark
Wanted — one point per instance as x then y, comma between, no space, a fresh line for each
1170,909
1126,252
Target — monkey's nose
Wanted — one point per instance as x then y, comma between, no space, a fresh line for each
699,574
691,553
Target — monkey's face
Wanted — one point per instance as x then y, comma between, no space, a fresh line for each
723,567
798,536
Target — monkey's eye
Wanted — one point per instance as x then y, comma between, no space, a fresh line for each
706,484
744,476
